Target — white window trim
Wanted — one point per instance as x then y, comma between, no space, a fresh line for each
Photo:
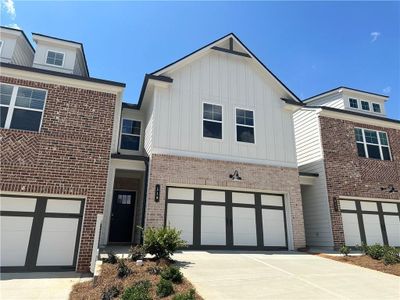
12,106
358,104
380,108
1,45
59,52
369,105
254,125
365,143
202,122
132,134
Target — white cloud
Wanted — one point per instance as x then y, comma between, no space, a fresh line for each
374,36
8,5
387,90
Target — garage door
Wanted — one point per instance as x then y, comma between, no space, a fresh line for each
370,222
39,234
214,219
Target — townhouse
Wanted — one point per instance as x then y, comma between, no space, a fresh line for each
344,136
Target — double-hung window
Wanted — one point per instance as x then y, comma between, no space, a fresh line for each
55,58
372,144
21,107
376,107
130,134
212,121
364,105
245,126
353,103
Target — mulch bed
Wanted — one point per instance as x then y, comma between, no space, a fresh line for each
366,262
108,278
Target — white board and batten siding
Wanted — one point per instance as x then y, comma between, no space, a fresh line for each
233,82
317,219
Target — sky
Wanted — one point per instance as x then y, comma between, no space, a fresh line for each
310,46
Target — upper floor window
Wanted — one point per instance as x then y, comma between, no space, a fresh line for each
21,107
365,105
55,58
1,45
372,144
130,135
353,103
376,107
244,125
212,121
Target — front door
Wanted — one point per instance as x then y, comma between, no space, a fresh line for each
122,214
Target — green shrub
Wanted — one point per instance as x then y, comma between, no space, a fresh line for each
154,270
376,251
139,291
137,252
391,256
164,288
364,248
110,293
111,258
162,242
123,269
190,295
344,250
173,274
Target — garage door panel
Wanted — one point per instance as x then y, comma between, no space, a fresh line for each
180,216
372,227
273,228
244,226
351,229
57,242
15,234
392,224
213,231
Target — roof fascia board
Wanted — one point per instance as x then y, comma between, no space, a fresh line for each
23,35
151,77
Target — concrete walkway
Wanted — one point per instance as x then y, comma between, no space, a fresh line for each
37,285
282,275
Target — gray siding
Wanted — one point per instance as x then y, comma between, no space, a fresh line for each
23,54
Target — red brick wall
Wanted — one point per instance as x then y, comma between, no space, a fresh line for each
168,169
347,174
69,156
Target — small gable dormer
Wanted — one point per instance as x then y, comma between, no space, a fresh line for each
59,55
15,47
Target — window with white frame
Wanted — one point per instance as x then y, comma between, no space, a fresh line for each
353,102
21,107
376,107
1,45
245,126
372,144
365,105
212,121
55,58
130,134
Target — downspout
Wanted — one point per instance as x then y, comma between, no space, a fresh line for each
146,179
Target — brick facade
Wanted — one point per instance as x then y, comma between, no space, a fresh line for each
347,174
167,169
69,156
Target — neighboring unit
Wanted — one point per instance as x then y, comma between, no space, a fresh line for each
56,132
345,137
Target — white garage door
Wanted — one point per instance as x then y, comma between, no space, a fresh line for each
39,233
227,219
370,222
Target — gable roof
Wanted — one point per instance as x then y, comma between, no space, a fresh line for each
309,99
250,54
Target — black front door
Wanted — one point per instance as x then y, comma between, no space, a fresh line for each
122,213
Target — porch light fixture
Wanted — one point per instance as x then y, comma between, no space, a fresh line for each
235,176
390,189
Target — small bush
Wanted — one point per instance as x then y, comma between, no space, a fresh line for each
364,248
110,293
344,250
173,274
164,288
162,242
139,291
111,258
190,295
391,256
154,270
123,270
376,251
137,252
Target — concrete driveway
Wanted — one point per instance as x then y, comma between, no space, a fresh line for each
37,285
282,275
